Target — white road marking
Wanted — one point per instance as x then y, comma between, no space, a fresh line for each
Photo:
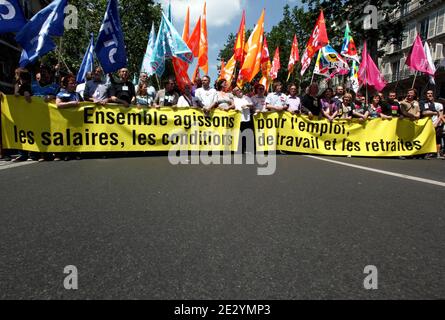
10,165
389,173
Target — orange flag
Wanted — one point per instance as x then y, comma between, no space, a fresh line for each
275,64
265,65
193,40
240,40
222,73
252,61
294,57
203,60
229,69
185,32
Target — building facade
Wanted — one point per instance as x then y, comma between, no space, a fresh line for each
426,18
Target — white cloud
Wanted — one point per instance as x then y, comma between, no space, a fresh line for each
219,12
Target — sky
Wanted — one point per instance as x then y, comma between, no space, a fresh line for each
223,18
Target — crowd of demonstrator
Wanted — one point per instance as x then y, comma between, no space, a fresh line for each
332,105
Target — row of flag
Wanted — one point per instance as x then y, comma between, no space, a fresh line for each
181,49
329,63
36,39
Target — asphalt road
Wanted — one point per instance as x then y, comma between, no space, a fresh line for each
141,228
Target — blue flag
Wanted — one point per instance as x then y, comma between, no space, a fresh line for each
12,18
110,46
87,62
168,43
170,12
146,66
35,36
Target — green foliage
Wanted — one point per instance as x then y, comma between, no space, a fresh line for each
136,18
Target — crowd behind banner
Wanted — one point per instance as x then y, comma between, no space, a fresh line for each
333,105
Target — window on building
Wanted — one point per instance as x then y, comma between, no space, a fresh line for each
424,28
405,38
404,9
395,70
440,27
432,26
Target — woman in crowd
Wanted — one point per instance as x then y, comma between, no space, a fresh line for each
259,99
345,107
328,104
224,99
375,108
186,99
67,98
142,98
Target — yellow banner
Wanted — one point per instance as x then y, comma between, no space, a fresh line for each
42,127
375,138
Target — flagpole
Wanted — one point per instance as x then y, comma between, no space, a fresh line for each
367,101
59,52
415,76
157,80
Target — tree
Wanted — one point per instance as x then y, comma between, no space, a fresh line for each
136,19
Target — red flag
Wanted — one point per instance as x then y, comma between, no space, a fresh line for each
275,64
181,67
265,65
294,56
193,41
417,59
203,59
318,39
196,74
240,40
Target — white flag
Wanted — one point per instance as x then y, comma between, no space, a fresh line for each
427,50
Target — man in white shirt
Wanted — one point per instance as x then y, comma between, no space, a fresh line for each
277,101
433,109
206,95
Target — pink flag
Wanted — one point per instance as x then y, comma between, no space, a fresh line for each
362,78
375,78
368,73
417,59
